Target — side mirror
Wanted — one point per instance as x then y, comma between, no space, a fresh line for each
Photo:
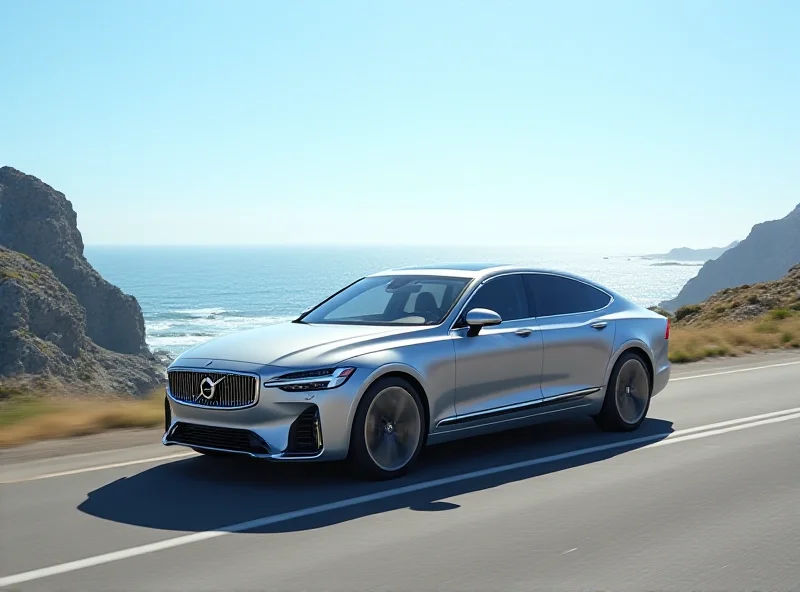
478,318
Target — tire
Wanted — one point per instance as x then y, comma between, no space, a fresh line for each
396,401
628,393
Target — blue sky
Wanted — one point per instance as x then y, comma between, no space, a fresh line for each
631,125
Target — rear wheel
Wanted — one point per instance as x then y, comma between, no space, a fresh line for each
627,395
388,430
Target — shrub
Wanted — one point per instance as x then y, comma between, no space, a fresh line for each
680,357
713,351
687,310
767,327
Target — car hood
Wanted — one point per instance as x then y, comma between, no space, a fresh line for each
294,345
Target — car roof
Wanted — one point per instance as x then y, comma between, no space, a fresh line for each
479,271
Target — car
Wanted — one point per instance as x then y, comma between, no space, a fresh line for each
416,356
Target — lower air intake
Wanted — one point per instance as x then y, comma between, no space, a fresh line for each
229,439
305,435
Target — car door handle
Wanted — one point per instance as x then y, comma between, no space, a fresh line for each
523,332
599,326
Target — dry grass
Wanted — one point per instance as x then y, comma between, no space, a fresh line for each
771,332
28,415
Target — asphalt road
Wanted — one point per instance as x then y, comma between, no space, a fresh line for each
706,496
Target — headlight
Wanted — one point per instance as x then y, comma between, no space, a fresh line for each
312,380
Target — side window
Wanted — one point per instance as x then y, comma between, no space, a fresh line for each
505,295
557,295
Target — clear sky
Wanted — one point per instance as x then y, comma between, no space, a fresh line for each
638,125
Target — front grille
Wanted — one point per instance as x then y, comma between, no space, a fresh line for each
305,434
232,439
229,390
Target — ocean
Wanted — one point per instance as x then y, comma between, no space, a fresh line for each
191,294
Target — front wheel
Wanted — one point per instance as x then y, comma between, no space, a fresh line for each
627,396
388,430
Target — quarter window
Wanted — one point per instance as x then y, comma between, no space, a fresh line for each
505,295
558,295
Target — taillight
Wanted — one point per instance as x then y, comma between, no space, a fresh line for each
666,333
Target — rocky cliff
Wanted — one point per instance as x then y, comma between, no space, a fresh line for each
43,333
767,254
58,316
39,221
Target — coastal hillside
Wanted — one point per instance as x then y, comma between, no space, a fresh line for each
778,299
767,254
59,319
687,254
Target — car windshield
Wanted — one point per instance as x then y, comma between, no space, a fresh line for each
391,300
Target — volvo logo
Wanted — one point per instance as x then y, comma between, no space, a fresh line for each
208,388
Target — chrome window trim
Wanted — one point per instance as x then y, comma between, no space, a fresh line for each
524,272
215,371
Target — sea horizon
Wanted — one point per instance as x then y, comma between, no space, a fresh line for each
190,294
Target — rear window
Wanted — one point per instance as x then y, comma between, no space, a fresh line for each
559,295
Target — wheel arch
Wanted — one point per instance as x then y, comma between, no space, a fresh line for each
639,348
396,370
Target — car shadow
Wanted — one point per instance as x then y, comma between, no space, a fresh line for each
208,493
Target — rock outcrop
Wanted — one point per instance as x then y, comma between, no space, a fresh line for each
43,333
768,253
39,221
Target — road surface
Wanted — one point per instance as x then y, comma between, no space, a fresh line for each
705,496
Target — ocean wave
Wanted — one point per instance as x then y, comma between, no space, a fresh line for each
176,344
202,312
177,335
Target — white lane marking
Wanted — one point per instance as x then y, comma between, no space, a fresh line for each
726,430
653,440
102,467
569,551
751,369
730,422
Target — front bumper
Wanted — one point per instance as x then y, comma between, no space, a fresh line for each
280,425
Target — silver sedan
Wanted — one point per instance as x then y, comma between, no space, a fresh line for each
415,356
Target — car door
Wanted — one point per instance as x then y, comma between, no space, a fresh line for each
502,365
578,339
